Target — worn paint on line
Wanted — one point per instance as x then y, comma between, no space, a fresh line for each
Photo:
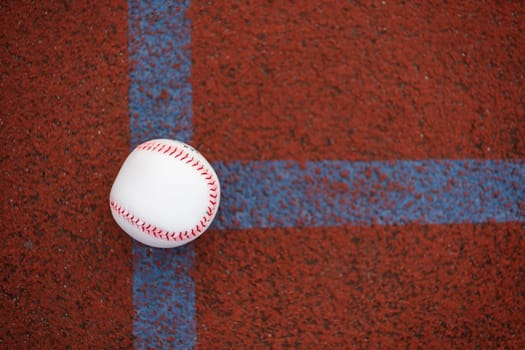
263,194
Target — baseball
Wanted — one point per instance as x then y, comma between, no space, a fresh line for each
166,194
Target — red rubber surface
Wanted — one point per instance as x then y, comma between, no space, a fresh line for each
361,81
65,270
454,287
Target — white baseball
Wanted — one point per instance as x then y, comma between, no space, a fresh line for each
165,195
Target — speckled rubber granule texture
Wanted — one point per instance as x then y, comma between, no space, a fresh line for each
359,80
65,268
370,81
264,194
269,82
428,287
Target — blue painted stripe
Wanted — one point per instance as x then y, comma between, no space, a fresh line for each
164,298
160,94
160,99
279,193
333,193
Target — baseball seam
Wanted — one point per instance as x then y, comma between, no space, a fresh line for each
179,153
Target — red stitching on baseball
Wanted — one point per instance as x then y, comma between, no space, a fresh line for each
212,193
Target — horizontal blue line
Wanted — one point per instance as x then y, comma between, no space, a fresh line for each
270,194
